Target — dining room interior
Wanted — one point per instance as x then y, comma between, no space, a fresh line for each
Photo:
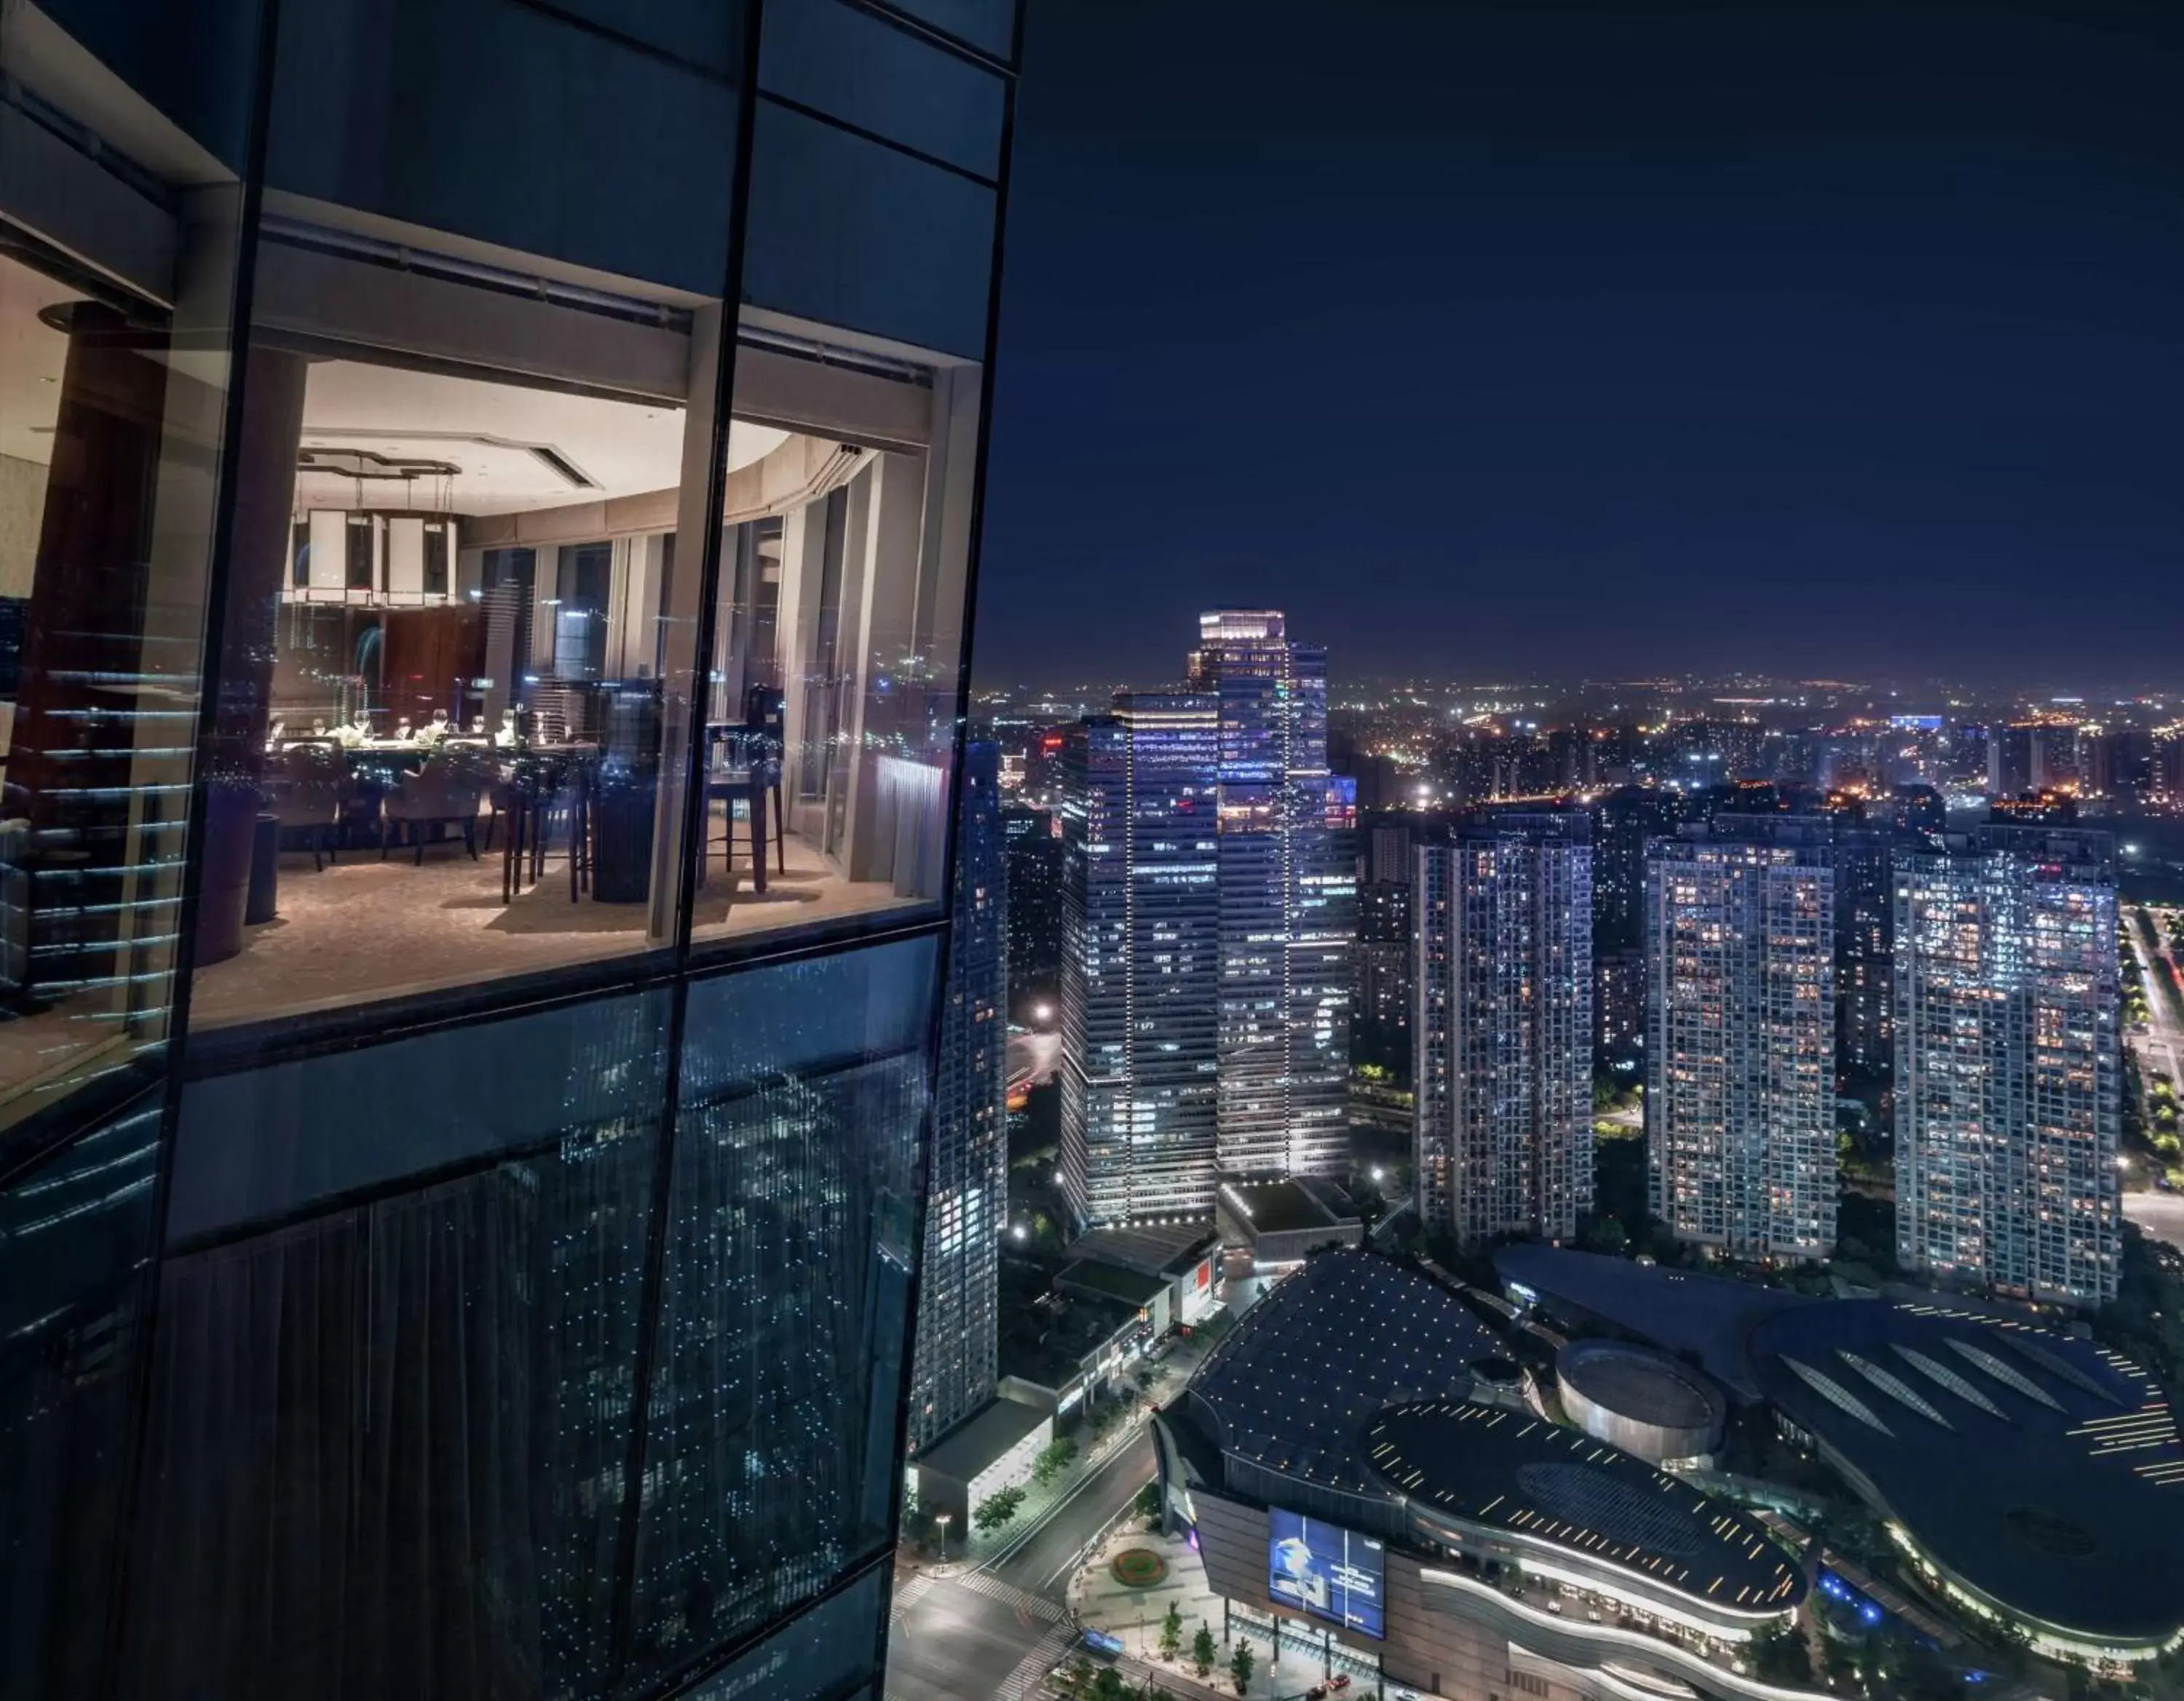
470,717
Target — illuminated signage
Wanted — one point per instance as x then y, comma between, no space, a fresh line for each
1325,1570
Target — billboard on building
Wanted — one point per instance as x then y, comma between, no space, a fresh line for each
1325,1570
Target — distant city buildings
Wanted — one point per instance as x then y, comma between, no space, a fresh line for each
1864,928
1740,1046
966,1198
1380,1008
1504,1025
2008,1069
1033,852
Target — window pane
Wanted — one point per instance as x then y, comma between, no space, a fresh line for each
453,749
76,1234
770,1467
388,1442
108,450
831,702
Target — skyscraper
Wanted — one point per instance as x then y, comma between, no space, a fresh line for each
1141,959
1740,1041
1504,1129
489,493
2007,1068
1288,902
966,1193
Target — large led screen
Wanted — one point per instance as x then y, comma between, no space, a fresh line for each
1324,1570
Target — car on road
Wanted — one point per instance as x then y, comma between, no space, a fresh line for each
1339,1682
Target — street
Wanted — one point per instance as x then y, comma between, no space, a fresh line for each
996,1630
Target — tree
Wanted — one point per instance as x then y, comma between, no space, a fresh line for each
1240,1665
1149,1500
1202,1650
1171,1635
993,1513
1778,1656
1079,1678
1108,1686
1053,1459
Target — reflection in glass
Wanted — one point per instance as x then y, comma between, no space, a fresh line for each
107,449
769,1468
75,1236
388,1442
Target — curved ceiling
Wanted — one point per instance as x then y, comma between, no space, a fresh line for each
512,448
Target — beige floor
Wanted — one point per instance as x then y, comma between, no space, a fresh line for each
363,929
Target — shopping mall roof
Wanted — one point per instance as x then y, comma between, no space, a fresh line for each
1643,1384
1292,1385
1512,1471
2043,1472
1684,1311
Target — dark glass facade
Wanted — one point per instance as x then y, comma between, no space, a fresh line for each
488,507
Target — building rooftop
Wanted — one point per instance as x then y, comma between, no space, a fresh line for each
1291,1386
1093,1276
2044,1472
1046,1336
1681,1310
1279,1206
1158,1250
1641,1383
1509,1470
980,1439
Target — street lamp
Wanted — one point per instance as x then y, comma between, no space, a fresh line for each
942,1518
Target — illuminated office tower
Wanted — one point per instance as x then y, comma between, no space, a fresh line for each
485,606
1740,1039
1504,1118
1141,959
2008,1071
966,1193
1289,890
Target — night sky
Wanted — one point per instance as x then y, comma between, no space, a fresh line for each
1543,340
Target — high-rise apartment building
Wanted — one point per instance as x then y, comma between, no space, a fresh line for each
1381,1014
1504,1118
487,492
1141,959
1288,895
2008,1075
1740,1041
1032,842
1625,822
1865,926
967,1187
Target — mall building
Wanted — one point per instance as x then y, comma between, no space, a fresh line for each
489,499
1350,1463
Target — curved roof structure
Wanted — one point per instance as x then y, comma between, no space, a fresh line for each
1641,1383
1499,1470
2033,1469
1293,1384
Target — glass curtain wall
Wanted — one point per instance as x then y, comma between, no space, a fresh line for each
488,505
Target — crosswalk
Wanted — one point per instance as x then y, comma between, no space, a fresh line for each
909,1594
979,1582
1033,1668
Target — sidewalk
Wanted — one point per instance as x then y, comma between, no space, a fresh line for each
1134,1615
968,1550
